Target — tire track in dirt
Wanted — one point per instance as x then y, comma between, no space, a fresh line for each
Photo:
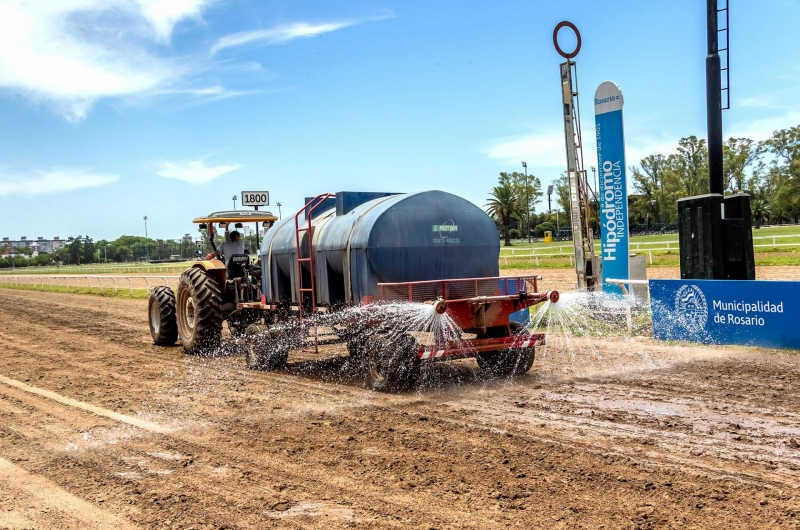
50,505
309,447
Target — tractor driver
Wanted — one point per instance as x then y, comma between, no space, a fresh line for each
229,248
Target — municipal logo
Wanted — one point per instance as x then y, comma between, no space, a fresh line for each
691,308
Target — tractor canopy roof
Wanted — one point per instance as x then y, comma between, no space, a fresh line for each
237,216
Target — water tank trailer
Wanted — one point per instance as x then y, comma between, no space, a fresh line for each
433,247
356,249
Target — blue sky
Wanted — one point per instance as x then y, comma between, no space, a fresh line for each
116,109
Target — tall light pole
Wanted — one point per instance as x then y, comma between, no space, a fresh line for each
527,203
146,246
234,201
279,210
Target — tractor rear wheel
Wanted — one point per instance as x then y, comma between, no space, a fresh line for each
507,362
161,314
199,312
264,351
391,361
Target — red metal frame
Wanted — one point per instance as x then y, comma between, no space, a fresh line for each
317,202
479,286
319,199
474,303
469,348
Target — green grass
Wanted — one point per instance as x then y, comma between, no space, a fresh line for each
137,294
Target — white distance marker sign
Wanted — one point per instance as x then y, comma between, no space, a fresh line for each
255,198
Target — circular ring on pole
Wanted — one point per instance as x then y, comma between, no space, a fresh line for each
561,52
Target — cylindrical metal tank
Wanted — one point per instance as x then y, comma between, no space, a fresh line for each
364,239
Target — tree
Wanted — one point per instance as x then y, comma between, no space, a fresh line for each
74,252
503,205
692,165
760,210
88,251
784,145
562,193
531,194
783,175
737,155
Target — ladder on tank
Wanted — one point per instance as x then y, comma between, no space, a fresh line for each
308,209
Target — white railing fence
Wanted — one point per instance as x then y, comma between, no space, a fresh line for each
69,282
666,246
98,269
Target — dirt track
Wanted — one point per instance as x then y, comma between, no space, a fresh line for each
101,429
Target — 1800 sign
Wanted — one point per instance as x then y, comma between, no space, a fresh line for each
255,198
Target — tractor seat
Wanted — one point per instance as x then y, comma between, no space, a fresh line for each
237,265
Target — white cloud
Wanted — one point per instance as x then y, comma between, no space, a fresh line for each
546,150
541,149
762,129
164,14
194,171
277,35
285,33
71,52
55,181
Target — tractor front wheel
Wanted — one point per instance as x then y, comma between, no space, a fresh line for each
161,314
199,312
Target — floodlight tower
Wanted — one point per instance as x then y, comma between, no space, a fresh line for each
587,265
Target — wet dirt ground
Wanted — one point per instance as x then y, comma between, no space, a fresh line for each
101,429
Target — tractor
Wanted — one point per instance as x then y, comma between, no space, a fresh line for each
210,292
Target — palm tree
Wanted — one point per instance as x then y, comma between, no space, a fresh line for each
760,210
503,205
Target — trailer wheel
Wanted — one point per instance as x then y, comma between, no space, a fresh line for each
507,362
391,361
161,314
264,352
355,347
239,322
199,312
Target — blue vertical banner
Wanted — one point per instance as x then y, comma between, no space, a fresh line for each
612,183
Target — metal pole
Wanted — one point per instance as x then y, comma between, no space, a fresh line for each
714,101
279,210
527,204
234,202
146,246
258,246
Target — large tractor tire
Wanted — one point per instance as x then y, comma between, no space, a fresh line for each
507,362
265,351
391,362
199,312
161,314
